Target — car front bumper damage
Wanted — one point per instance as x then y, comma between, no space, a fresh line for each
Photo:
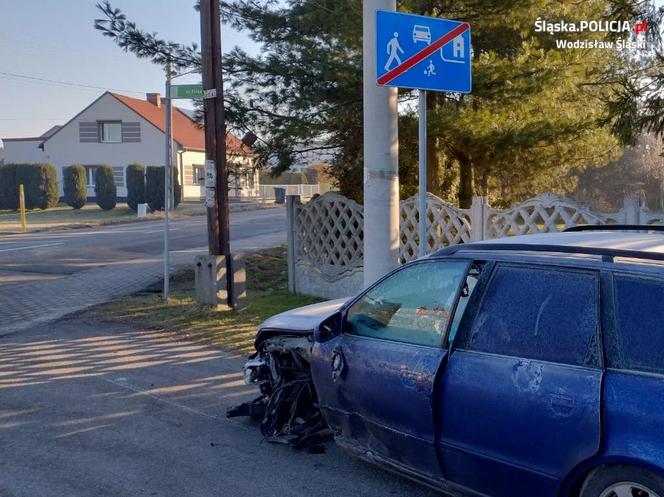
287,408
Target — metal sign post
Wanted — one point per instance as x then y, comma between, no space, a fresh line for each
167,181
424,53
422,135
172,92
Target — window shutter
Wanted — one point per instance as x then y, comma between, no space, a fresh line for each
131,132
118,176
88,132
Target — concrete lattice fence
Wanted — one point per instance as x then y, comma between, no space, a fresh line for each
446,225
326,235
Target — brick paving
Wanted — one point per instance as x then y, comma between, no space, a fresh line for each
25,304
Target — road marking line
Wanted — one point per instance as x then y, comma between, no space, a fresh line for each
32,247
157,231
123,383
126,385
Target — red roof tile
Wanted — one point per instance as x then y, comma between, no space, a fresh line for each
185,130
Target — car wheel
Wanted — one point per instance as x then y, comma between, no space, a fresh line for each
623,481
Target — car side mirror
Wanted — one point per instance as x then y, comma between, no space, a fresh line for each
329,327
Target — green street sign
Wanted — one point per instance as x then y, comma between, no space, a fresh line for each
186,91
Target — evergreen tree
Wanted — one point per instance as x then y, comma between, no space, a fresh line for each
75,186
637,102
135,185
536,111
106,193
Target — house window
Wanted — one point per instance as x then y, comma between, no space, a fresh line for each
91,175
110,132
198,175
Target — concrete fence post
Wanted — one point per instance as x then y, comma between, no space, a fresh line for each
631,210
292,202
477,220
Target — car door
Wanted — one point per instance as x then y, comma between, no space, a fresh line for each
520,395
634,382
375,379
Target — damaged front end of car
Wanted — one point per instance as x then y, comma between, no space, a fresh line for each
287,408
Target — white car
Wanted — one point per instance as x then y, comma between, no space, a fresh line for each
422,33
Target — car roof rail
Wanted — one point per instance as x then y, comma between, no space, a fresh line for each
614,227
607,254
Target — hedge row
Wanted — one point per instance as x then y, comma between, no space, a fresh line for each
39,182
144,185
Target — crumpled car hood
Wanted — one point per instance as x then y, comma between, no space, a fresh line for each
303,319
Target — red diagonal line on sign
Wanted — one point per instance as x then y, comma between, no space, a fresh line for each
425,52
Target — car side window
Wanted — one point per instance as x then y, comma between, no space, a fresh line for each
412,305
640,333
547,314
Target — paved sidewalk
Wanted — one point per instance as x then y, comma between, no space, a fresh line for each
25,304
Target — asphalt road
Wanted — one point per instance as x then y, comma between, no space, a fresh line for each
88,409
44,276
49,254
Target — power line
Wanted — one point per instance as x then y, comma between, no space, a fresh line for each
32,119
65,83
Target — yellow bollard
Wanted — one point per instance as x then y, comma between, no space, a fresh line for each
21,203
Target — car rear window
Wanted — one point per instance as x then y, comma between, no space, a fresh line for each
539,313
640,316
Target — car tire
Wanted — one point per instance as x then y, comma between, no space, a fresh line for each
622,481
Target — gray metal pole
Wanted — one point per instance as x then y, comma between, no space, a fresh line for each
422,226
167,182
381,154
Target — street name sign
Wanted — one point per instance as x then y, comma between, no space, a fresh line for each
186,91
425,53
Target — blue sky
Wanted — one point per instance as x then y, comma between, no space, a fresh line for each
55,39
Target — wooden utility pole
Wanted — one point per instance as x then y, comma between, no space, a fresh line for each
215,137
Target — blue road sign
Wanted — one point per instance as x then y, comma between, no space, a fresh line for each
425,53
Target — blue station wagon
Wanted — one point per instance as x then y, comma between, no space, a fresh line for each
530,366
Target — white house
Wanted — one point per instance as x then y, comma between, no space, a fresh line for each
118,130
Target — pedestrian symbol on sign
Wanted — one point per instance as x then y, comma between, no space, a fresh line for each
393,48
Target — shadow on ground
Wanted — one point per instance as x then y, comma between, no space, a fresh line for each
114,410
